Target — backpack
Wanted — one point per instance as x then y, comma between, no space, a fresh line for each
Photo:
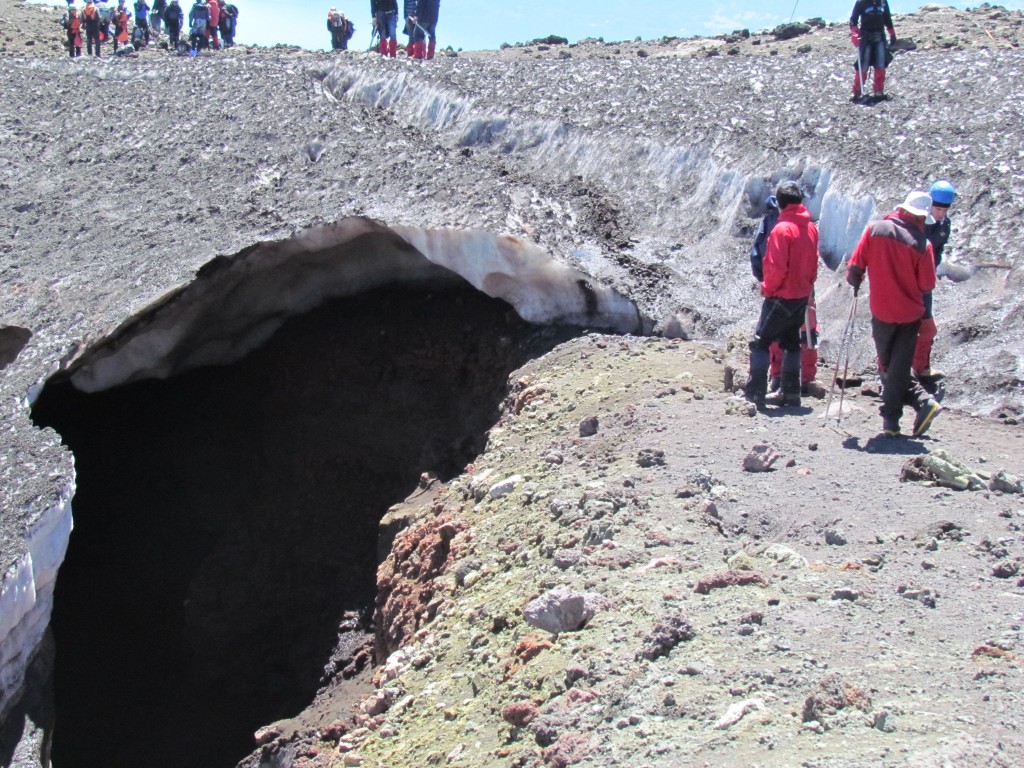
760,245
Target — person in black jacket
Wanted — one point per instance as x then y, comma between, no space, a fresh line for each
427,12
227,22
198,20
937,231
869,22
340,28
156,16
385,21
173,17
92,24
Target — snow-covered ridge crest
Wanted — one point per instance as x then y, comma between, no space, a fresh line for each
236,303
26,595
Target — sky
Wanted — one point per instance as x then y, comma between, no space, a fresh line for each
479,24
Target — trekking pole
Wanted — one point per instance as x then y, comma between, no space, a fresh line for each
373,34
860,74
839,357
846,366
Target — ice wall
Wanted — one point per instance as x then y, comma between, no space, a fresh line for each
26,595
237,303
684,185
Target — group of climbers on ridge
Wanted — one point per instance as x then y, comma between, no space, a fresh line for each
211,24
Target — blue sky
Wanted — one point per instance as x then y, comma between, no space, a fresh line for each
477,24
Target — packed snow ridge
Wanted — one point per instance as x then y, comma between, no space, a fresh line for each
689,172
236,304
26,595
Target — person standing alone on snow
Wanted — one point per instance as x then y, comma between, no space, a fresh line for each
897,258
942,194
790,268
869,22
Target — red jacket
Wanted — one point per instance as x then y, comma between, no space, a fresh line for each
791,256
898,260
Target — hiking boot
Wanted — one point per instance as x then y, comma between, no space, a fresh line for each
925,416
753,393
783,399
931,373
890,428
788,395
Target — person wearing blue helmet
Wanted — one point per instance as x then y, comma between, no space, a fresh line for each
942,194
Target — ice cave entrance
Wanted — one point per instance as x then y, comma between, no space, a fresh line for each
236,445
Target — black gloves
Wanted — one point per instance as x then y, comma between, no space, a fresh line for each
855,276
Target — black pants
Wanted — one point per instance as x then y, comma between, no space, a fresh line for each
92,38
173,31
894,344
780,321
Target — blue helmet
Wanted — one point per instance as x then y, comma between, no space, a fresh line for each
942,193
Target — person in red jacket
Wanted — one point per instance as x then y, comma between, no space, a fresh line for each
213,28
790,269
895,254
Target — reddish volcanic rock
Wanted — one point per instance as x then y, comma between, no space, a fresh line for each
406,593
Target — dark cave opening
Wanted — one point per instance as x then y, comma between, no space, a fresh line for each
226,518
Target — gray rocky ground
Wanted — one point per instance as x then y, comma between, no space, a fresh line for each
891,636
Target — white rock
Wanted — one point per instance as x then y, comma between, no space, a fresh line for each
563,610
736,712
504,487
785,556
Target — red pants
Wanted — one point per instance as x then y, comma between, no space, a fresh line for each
923,351
808,362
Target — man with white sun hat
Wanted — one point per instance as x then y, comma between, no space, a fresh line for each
897,258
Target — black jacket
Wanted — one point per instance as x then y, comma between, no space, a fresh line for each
174,14
938,236
871,16
383,6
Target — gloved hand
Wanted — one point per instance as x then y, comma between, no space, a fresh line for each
855,37
855,276
892,36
